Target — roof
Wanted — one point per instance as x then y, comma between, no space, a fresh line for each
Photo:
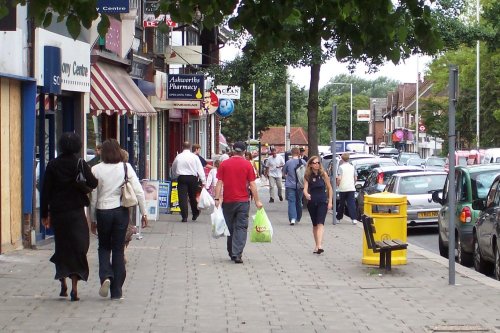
275,135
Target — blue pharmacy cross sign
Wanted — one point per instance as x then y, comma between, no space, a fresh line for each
113,6
185,86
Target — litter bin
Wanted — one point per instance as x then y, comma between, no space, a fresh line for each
388,211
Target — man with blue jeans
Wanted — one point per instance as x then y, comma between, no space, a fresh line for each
293,191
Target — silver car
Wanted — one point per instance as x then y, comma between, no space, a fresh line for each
418,188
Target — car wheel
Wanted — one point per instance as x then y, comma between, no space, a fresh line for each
480,265
463,258
443,250
497,263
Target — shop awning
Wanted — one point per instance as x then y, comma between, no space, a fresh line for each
112,90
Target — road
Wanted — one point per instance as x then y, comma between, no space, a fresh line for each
425,237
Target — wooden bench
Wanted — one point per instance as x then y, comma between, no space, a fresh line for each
384,247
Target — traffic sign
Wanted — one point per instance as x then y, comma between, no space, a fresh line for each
421,128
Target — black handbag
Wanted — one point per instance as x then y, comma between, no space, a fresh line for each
81,180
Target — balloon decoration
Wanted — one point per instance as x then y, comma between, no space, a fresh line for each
226,107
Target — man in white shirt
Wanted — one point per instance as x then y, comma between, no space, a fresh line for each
188,169
275,165
346,182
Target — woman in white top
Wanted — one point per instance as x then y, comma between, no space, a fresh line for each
110,219
212,178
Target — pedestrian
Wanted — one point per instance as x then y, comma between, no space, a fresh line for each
275,165
97,158
319,193
293,192
224,155
109,219
196,149
212,178
249,158
303,155
189,171
234,176
62,208
346,186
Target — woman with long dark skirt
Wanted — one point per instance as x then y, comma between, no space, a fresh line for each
62,207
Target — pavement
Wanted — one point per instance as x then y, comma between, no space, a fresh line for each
180,279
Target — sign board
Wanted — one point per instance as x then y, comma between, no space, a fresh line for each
175,104
151,190
363,115
227,92
112,6
185,55
174,199
210,103
52,70
164,197
185,86
75,60
421,128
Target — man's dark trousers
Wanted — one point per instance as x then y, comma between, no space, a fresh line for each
236,216
187,187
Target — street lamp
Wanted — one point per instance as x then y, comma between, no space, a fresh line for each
349,84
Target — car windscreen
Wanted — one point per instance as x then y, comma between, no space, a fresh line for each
421,184
481,182
436,162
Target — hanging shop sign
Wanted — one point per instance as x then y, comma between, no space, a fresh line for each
363,115
210,103
227,92
113,6
226,107
185,86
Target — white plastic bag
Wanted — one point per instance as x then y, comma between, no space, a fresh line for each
206,201
219,227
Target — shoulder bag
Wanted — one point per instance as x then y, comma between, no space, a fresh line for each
81,180
128,197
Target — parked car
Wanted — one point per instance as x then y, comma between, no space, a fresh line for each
418,188
419,162
486,232
376,181
327,158
364,166
405,156
491,155
434,163
472,183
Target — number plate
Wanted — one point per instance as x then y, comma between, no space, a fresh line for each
427,214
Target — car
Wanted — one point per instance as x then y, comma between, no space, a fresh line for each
405,156
434,163
472,183
376,181
327,158
418,188
416,162
388,152
491,155
486,232
364,166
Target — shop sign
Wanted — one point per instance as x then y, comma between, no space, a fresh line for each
74,63
113,6
185,86
176,104
52,70
363,115
227,92
164,197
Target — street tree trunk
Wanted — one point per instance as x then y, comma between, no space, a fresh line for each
312,110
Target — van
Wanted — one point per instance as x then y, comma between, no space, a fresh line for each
492,155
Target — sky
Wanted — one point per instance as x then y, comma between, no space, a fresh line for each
404,73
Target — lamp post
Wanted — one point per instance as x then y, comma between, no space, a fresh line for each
349,84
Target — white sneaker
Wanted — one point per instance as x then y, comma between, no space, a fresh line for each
292,222
337,221
354,221
104,290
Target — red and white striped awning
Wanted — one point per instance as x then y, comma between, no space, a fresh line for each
112,90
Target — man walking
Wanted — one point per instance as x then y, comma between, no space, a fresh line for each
293,192
188,169
346,182
275,165
234,177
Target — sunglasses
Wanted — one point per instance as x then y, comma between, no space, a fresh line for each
314,162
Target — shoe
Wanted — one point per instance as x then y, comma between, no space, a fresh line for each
292,222
271,200
104,290
74,296
320,251
195,216
184,220
354,221
281,198
337,221
238,260
117,298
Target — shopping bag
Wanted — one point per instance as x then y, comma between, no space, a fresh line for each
262,230
219,227
206,201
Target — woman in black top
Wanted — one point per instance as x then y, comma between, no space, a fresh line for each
318,192
62,208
